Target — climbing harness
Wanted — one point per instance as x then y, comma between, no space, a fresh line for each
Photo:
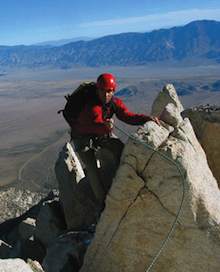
183,197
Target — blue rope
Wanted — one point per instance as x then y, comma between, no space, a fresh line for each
183,197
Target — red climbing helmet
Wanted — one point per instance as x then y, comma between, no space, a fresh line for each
106,81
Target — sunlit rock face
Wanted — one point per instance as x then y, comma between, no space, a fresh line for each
145,199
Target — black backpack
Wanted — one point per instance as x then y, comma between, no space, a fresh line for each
77,100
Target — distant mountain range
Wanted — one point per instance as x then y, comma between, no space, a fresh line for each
196,40
63,41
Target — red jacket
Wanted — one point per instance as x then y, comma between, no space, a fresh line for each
92,117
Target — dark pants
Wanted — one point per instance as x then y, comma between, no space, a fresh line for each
87,155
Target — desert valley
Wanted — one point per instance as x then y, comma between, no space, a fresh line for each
32,133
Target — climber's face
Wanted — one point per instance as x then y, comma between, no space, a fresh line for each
105,95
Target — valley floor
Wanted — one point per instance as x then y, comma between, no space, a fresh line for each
32,133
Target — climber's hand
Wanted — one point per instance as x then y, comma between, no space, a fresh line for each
153,118
109,123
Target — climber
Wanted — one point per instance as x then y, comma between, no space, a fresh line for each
94,126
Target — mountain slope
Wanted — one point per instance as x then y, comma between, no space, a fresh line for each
63,41
197,40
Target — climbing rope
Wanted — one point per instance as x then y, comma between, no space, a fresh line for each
183,197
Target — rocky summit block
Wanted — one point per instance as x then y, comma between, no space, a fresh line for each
146,197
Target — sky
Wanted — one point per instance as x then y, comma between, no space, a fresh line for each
34,21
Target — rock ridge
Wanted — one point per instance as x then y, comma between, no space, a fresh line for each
141,208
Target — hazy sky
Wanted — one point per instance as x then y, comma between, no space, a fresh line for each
32,21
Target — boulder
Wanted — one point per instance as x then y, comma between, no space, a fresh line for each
76,196
15,202
26,228
49,223
10,265
18,233
35,266
5,250
66,254
166,95
32,250
72,169
164,197
205,120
